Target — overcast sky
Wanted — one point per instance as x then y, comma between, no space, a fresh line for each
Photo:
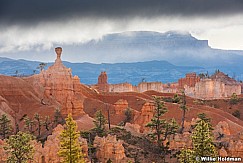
28,24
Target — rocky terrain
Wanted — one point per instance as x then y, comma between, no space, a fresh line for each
56,87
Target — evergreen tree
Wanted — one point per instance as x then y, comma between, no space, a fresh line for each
100,122
19,148
38,120
5,126
202,144
70,150
187,156
203,117
29,125
58,119
41,66
234,99
184,109
47,123
202,140
173,127
161,129
158,125
176,99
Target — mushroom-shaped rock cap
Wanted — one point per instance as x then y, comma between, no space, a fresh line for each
58,50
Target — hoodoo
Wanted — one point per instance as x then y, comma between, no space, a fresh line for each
58,83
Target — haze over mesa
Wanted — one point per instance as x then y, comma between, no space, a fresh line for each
30,30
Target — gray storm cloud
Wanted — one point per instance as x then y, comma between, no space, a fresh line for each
32,28
30,11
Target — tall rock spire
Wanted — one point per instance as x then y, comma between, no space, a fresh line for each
58,51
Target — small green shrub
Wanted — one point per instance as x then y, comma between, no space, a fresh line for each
234,99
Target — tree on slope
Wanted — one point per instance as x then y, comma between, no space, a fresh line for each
58,119
202,140
19,148
39,122
70,150
29,125
184,109
158,125
5,126
202,144
100,122
160,128
187,156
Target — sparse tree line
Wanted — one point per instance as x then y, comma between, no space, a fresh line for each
37,125
18,143
161,129
40,67
19,148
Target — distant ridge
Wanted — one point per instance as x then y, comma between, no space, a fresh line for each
177,48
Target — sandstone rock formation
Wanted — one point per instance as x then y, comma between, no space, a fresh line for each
145,115
145,86
217,86
110,148
5,109
120,106
3,156
170,88
122,87
221,128
102,84
48,153
133,128
19,97
57,83
190,80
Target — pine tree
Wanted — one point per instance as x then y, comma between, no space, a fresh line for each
58,119
5,126
203,117
176,99
47,123
41,66
158,125
234,99
29,125
70,150
19,148
160,128
173,127
202,140
184,109
187,156
202,144
100,122
39,122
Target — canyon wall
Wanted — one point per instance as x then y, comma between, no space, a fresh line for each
123,87
217,86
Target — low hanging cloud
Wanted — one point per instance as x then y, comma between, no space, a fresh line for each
38,25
